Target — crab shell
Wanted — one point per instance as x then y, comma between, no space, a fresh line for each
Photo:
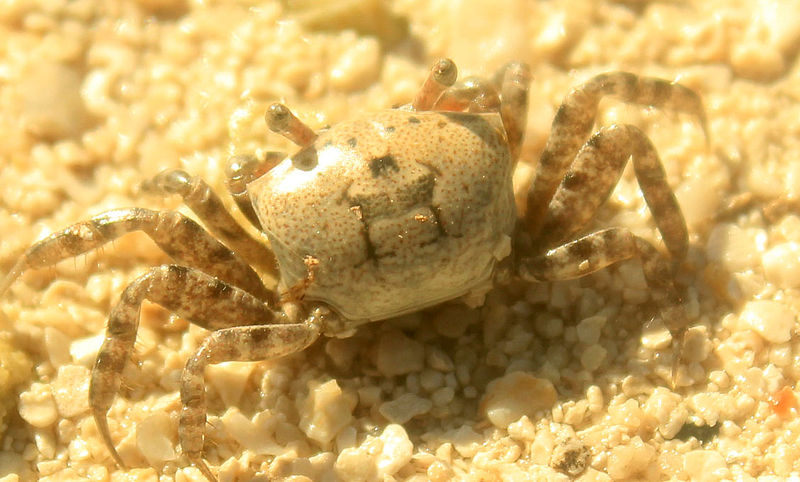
398,210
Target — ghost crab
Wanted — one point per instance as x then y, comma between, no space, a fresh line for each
381,216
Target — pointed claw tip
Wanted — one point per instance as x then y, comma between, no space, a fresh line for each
203,467
15,272
102,426
676,360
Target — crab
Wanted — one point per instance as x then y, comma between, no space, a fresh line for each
380,216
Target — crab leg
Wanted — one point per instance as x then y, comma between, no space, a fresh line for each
513,81
190,293
600,249
202,200
242,343
180,237
593,175
574,121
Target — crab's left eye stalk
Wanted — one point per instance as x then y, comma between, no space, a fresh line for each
282,121
443,74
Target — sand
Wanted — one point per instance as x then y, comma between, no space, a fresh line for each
547,381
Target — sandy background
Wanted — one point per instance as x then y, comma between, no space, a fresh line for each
546,381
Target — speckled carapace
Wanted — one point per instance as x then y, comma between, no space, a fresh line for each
401,209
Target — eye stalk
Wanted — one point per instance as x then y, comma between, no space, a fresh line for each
282,121
442,75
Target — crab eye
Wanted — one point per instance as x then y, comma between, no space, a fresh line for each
305,159
282,121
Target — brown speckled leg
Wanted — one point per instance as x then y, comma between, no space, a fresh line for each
601,249
180,237
243,343
513,81
197,194
593,175
574,121
207,302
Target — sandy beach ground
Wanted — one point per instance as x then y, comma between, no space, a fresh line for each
547,381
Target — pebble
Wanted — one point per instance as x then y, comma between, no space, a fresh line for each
71,390
51,97
655,335
630,459
592,357
355,464
57,345
405,407
37,406
255,434
325,411
230,380
589,329
396,451
696,344
737,249
522,429
377,458
594,395
782,265
154,438
84,350
465,440
442,396
399,354
430,380
664,406
704,465
369,395
510,397
438,471
710,406
439,360
772,320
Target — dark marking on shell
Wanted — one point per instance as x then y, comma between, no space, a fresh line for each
381,166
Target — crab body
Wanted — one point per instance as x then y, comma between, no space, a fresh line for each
401,210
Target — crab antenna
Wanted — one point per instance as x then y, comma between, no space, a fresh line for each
281,120
443,74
